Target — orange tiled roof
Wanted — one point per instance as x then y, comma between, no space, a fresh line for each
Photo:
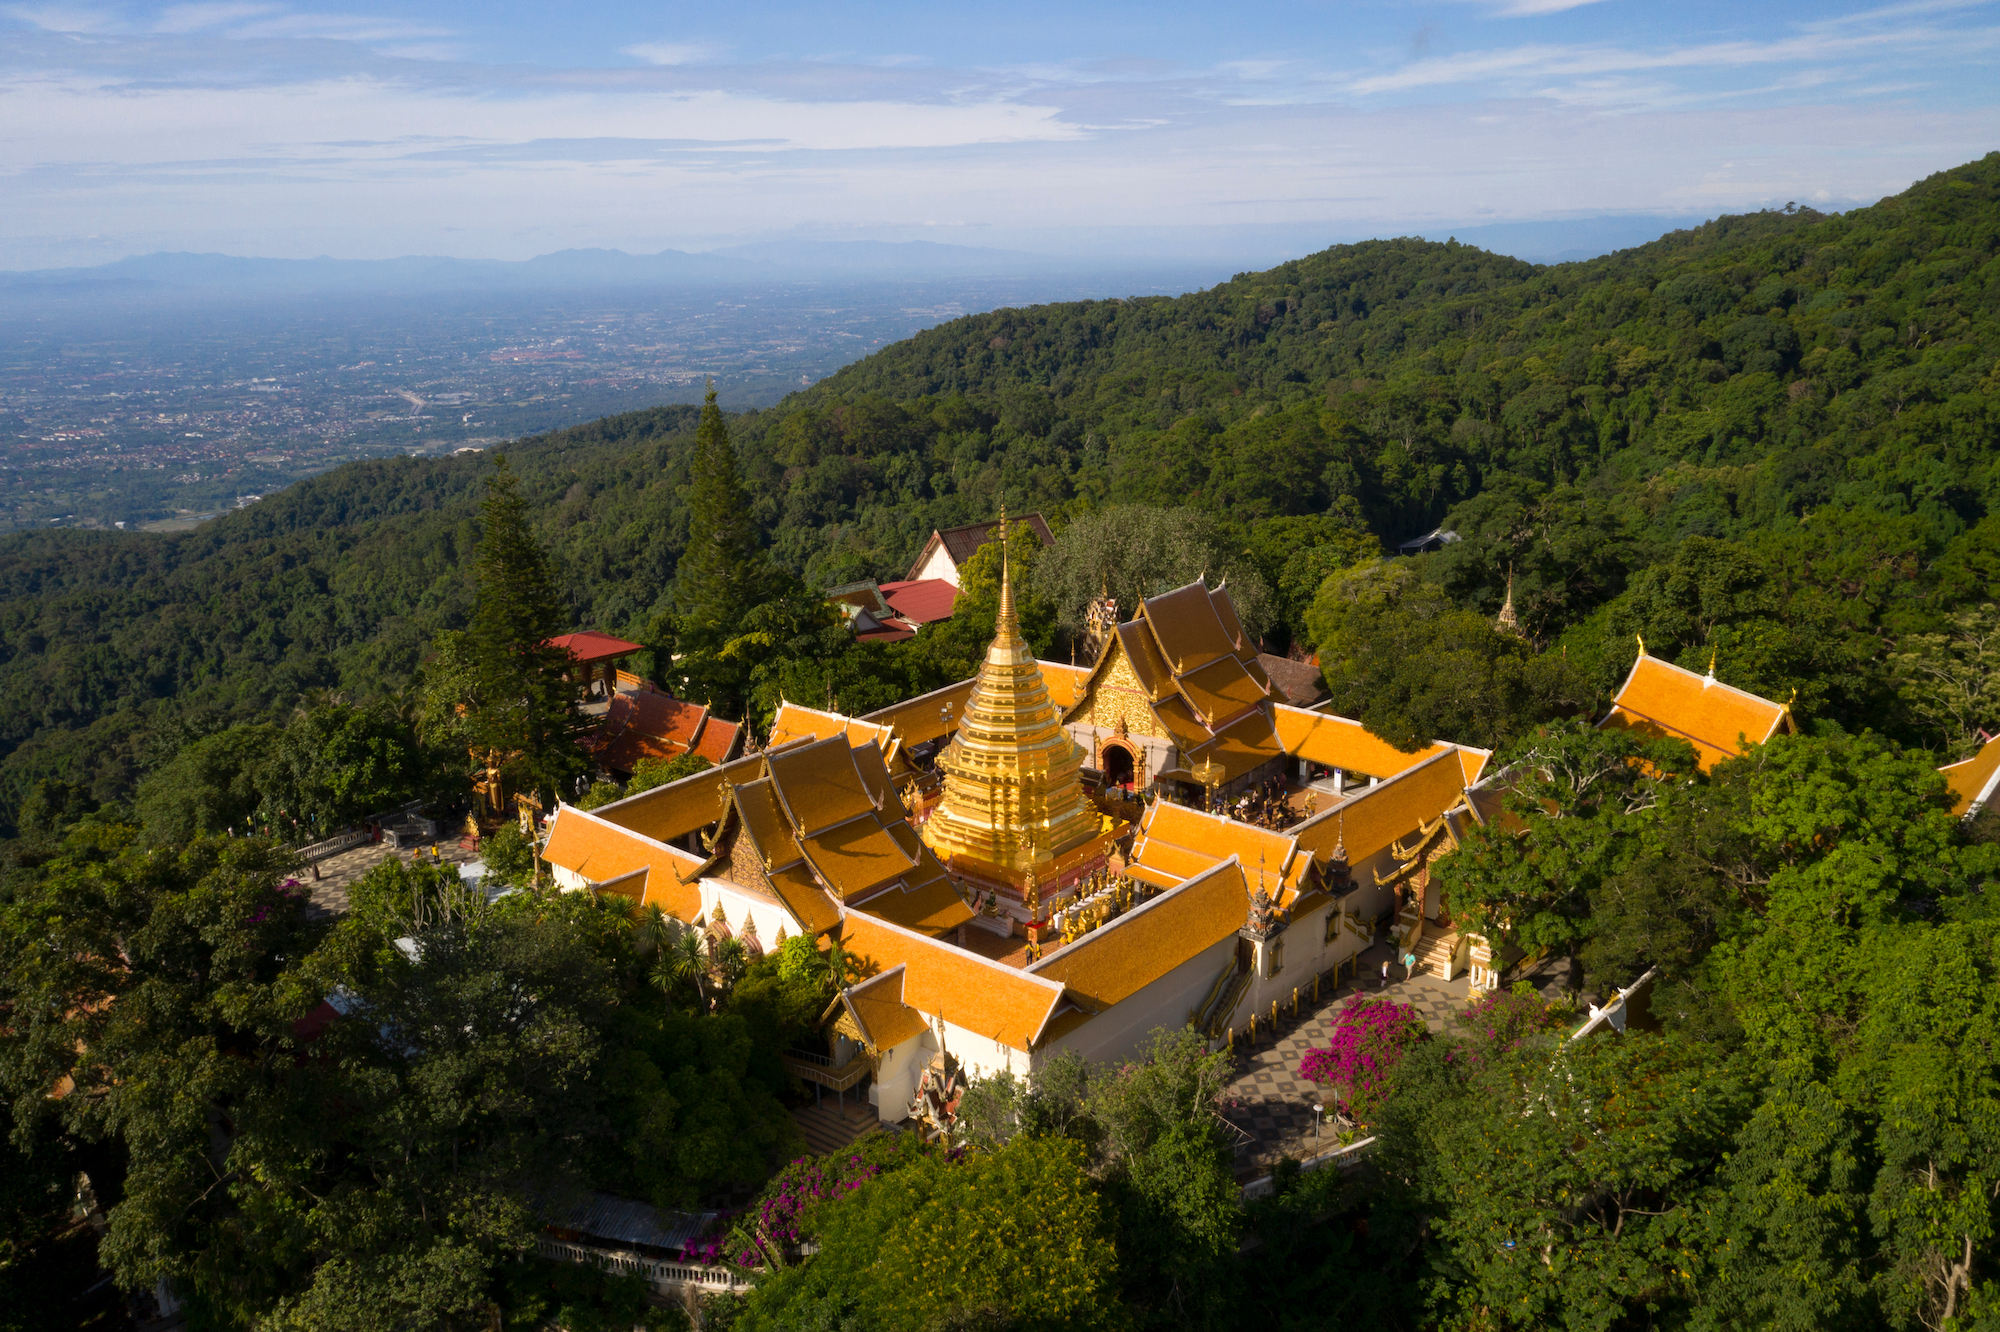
877,1007
1188,628
1369,820
918,719
669,812
818,785
961,987
1238,747
642,724
1183,842
800,723
1220,690
801,894
1122,957
1064,683
930,907
1338,742
1662,699
1973,781
601,852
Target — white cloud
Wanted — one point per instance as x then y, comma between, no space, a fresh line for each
674,53
202,17
1535,8
62,18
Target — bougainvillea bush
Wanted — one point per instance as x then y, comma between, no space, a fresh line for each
1368,1042
771,1229
1499,1021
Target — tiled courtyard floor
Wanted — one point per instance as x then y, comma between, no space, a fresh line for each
1273,1106
336,873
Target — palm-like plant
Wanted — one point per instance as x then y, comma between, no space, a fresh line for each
686,960
732,959
652,929
836,964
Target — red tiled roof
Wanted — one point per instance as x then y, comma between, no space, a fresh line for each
921,601
718,740
642,724
587,645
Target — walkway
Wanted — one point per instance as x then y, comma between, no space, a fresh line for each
831,1126
1269,1101
329,895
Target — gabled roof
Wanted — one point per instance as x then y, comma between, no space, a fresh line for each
644,724
666,813
961,987
602,852
719,740
795,722
1064,683
1371,819
921,601
1176,843
967,541
587,645
1662,699
1341,742
1123,956
1974,781
878,1010
1298,681
925,717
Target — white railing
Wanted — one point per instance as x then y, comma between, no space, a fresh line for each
664,1275
334,845
1341,1158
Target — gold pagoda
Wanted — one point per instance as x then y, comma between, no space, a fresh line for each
1014,816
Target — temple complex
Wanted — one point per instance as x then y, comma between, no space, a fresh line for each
1000,912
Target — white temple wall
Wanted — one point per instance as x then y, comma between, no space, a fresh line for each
739,906
1121,1031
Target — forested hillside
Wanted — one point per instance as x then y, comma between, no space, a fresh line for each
1771,438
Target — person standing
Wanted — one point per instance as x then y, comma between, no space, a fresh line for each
1385,973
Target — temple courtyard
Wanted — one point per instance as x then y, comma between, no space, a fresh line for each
1271,1106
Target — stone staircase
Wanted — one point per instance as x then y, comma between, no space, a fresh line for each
1435,952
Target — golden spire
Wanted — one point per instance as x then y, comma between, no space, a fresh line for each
1642,643
1711,663
1013,800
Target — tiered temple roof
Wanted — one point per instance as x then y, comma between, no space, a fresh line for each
1719,720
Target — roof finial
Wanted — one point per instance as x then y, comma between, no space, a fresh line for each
1711,663
1642,643
1508,622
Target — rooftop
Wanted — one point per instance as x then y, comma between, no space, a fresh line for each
1662,699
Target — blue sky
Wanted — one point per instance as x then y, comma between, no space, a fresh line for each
511,129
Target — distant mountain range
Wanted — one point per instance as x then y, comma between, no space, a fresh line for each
566,269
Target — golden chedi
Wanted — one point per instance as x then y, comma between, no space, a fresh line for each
1013,803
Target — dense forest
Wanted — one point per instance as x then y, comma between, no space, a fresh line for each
1766,444
1771,436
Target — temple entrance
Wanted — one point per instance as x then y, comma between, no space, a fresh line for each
1117,765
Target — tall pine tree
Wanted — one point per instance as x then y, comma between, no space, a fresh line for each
722,575
523,704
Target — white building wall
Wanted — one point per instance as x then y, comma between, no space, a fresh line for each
938,564
1121,1031
739,906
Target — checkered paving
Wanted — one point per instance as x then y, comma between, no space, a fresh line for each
1270,1103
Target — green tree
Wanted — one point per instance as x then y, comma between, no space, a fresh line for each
522,701
1137,551
1016,1236
1414,668
722,572
210,786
